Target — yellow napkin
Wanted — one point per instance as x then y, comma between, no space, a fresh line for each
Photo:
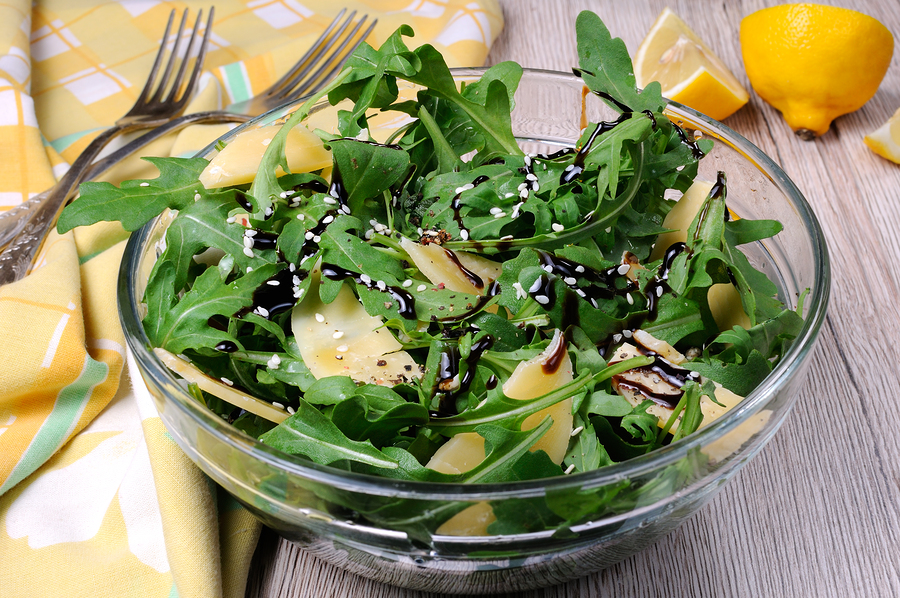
95,497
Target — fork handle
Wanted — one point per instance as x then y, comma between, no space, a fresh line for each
24,230
16,259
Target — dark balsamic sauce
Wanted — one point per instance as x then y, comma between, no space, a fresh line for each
691,143
241,198
264,239
226,347
659,285
476,280
449,368
600,284
275,296
405,301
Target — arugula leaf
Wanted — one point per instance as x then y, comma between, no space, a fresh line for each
309,433
606,66
136,202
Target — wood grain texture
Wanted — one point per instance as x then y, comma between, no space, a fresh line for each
817,513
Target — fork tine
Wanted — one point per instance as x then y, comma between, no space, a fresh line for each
174,88
173,57
333,63
198,64
148,86
302,73
308,55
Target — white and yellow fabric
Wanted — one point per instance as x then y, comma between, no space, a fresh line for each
95,498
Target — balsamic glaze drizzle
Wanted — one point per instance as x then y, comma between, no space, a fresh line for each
405,301
448,369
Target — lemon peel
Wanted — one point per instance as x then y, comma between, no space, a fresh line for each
813,62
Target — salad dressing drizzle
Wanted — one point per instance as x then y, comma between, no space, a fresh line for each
272,297
226,347
405,301
602,285
658,284
450,384
476,280
577,165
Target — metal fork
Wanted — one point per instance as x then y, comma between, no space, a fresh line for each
157,103
308,75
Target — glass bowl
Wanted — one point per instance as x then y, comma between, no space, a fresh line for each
384,529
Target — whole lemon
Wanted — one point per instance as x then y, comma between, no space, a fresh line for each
813,62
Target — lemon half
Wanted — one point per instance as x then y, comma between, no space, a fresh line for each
687,69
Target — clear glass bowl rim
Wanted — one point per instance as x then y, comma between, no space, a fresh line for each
787,368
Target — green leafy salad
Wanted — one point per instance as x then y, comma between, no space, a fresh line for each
439,305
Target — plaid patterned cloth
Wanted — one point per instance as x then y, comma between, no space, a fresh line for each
95,498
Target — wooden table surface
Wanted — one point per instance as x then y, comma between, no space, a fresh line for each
817,513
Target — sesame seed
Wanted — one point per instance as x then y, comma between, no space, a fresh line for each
506,238
262,311
629,298
527,160
296,280
557,227
523,186
338,334
464,234
226,381
576,431
365,278
531,176
316,239
496,210
328,219
547,268
339,357
623,269
581,292
569,280
381,286
569,167
465,187
343,348
309,235
520,292
320,318
617,338
248,252
535,187
608,229
269,211
230,220
249,268
145,184
500,215
291,410
579,268
542,299
659,291
301,216
329,200
627,333
508,195
273,283
276,404
248,241
570,468
196,197
421,288
407,283
523,193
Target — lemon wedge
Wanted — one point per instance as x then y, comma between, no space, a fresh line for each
885,140
687,69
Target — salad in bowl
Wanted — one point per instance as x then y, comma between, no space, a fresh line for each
384,285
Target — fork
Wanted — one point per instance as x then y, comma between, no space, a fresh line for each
328,53
157,103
